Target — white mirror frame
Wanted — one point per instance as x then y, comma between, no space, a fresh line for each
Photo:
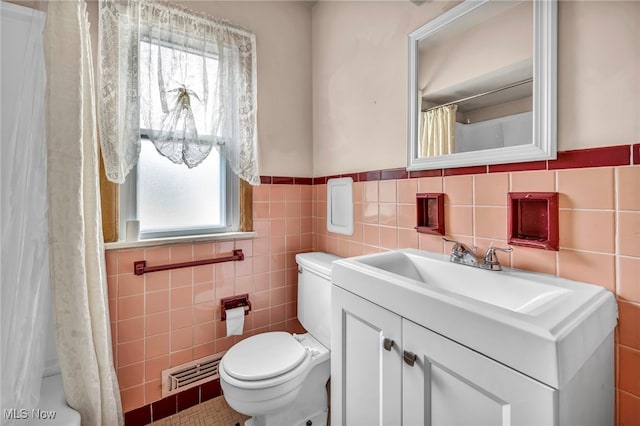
544,144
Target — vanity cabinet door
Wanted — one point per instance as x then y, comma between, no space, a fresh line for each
450,384
366,368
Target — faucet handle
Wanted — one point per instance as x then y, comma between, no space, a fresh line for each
490,256
459,247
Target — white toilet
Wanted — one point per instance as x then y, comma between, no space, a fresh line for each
278,378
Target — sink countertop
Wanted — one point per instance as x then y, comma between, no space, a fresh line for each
548,339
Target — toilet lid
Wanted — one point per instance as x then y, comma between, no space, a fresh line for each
263,356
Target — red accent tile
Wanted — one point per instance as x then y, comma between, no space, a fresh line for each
369,176
319,180
334,177
302,181
188,398
210,390
518,167
353,176
425,173
265,179
138,417
389,174
532,219
164,408
282,180
592,157
430,216
472,170
636,153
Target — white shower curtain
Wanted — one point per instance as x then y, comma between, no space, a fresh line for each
77,254
438,131
25,267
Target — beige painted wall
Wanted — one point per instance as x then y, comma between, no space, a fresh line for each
283,34
598,73
360,79
360,83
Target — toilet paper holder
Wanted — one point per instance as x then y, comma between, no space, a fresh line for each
235,302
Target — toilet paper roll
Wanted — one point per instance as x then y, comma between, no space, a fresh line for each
235,321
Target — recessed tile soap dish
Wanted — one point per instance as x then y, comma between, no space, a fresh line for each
430,209
533,219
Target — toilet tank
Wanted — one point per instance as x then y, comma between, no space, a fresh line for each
314,294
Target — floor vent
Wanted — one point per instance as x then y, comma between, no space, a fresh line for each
190,374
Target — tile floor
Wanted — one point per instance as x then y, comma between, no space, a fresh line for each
214,412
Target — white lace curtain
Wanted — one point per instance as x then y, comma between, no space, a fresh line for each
186,80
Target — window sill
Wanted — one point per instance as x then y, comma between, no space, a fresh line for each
225,236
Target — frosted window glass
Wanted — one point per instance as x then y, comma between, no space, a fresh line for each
172,196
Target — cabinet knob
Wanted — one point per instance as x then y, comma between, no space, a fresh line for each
388,343
410,358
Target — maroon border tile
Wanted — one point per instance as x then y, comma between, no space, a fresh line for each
319,180
369,176
164,408
188,398
592,157
138,417
425,173
173,404
471,170
619,155
518,167
399,173
302,181
210,390
282,180
353,176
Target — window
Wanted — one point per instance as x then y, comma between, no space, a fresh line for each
171,199
184,86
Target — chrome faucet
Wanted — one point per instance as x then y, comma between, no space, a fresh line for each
461,253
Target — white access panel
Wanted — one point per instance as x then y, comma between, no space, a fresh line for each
340,205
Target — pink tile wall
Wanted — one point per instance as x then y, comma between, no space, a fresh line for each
167,318
599,237
163,319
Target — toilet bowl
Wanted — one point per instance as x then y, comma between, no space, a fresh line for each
269,394
280,378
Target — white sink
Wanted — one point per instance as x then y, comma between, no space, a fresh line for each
500,289
544,326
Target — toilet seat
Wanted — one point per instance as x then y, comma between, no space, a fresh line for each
265,360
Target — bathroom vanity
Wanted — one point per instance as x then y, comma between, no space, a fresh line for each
419,340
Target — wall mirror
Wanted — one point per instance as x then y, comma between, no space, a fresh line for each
482,85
